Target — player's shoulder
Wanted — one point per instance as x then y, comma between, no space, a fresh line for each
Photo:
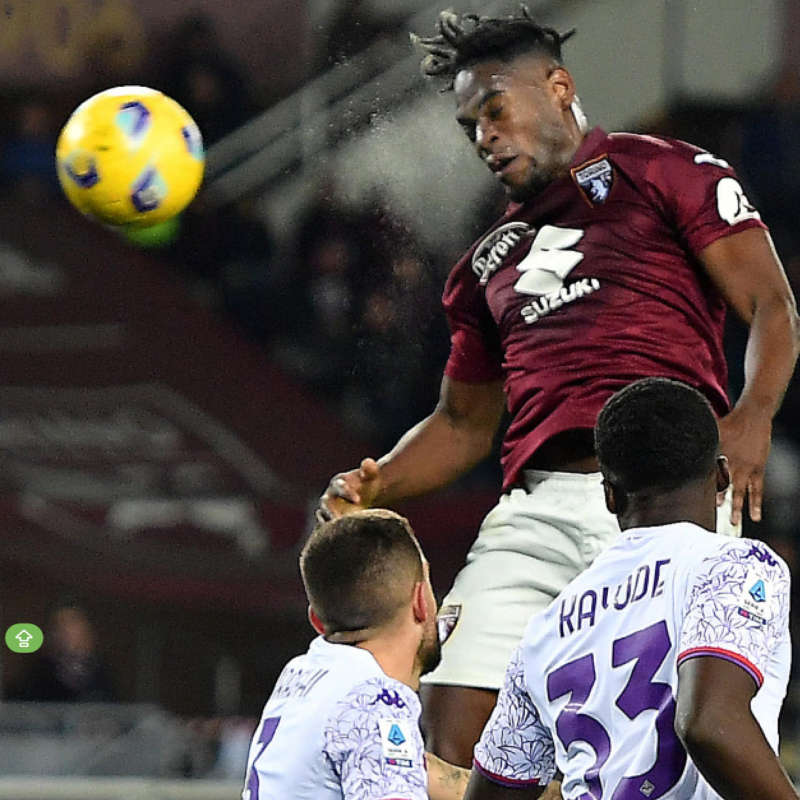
379,695
724,554
377,711
644,145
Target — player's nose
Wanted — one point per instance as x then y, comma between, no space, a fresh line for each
485,138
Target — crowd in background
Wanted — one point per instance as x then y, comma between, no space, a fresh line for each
349,302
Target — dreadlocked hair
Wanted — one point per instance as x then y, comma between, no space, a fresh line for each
464,40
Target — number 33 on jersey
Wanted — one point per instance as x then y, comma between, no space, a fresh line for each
591,690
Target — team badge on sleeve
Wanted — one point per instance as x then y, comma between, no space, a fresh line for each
397,743
756,597
446,621
595,180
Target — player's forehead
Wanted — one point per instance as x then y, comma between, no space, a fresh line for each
476,84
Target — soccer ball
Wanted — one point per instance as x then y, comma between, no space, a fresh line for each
130,156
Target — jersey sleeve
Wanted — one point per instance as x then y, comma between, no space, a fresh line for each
700,194
374,744
516,748
475,354
737,607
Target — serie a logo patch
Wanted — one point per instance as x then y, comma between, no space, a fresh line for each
754,601
397,744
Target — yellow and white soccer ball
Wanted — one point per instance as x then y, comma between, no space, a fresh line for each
130,156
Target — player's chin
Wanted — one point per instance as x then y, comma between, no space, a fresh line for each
520,191
525,185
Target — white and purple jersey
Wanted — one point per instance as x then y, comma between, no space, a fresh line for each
591,689
336,727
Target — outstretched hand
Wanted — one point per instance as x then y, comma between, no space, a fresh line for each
745,439
350,491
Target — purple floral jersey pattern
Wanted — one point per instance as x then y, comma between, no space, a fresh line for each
737,607
516,748
374,743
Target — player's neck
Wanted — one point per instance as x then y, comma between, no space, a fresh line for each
685,504
396,654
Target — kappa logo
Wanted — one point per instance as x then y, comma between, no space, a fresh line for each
390,698
595,180
761,554
492,250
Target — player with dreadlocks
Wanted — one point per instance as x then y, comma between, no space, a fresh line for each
615,261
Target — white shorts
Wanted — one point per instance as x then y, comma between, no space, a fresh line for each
531,544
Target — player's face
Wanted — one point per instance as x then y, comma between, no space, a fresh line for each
519,117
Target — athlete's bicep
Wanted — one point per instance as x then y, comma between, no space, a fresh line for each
712,692
747,272
472,405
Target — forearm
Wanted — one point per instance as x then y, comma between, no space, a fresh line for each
430,456
445,781
772,350
738,762
715,723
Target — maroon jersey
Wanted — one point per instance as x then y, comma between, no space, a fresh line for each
596,283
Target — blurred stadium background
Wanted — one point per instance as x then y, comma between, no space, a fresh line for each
169,414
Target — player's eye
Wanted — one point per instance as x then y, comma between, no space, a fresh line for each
469,130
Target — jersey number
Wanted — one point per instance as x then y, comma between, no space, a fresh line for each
648,648
267,732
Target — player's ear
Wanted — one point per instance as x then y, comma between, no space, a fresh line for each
562,85
723,474
419,603
316,622
610,493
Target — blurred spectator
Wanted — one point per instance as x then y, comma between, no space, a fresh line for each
27,157
250,281
204,79
781,502
770,158
225,255
353,28
402,348
330,252
117,58
218,747
69,666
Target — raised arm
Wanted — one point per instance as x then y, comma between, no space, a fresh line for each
722,737
748,273
436,451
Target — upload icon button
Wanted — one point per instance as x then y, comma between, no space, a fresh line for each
24,637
